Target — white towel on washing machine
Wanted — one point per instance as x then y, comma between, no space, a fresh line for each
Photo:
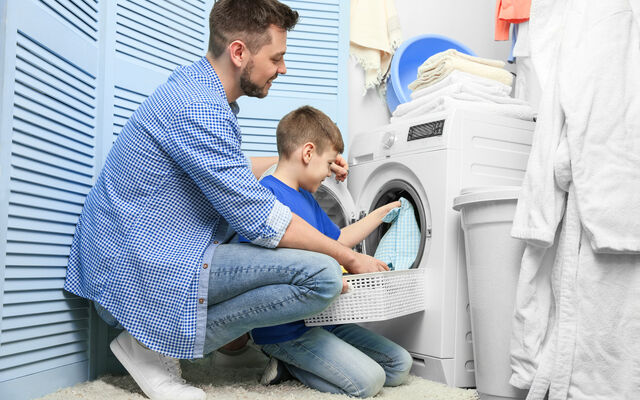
440,65
464,100
484,84
470,91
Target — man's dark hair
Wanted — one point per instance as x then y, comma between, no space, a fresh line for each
247,20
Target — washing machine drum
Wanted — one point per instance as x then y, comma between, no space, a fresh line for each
337,202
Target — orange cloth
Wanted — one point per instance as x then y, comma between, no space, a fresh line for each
510,12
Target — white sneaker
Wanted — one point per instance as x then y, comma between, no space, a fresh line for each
158,376
275,372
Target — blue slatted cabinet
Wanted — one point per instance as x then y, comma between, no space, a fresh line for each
72,72
48,163
148,40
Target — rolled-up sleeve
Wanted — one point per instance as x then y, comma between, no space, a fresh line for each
204,140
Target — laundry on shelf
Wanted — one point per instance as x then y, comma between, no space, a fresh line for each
451,78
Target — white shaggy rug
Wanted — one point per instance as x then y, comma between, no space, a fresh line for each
235,377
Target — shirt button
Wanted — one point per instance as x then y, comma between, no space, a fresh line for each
201,300
205,266
215,242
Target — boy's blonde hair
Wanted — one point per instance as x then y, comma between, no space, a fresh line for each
307,124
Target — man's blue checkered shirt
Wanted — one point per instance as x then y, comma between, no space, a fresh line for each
172,180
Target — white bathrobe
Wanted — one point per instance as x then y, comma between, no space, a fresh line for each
592,91
582,323
579,340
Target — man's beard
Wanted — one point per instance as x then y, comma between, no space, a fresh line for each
250,88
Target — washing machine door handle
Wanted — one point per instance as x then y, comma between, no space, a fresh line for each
360,246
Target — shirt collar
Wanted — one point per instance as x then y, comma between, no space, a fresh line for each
213,81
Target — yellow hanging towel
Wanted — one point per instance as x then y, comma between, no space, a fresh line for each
375,35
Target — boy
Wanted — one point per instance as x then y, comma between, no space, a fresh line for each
345,359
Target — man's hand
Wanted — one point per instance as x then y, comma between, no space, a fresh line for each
363,263
340,168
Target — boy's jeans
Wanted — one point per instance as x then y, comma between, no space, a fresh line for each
348,360
252,287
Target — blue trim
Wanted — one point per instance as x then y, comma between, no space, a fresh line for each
343,75
31,369
40,384
7,60
203,290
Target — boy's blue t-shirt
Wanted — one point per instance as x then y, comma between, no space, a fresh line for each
306,207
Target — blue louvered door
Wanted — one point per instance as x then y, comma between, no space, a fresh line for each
48,157
147,39
72,73
316,59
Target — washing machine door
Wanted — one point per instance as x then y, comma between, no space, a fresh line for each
387,188
336,201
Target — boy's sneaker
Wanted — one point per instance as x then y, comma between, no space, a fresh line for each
158,376
275,372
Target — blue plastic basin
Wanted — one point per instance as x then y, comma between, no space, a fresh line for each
406,60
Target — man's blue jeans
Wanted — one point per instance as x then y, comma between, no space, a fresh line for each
348,360
252,287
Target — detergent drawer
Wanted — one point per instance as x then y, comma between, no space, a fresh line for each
376,296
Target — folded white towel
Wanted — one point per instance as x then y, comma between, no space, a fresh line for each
452,54
440,65
519,111
488,85
464,100
442,70
462,91
472,95
427,99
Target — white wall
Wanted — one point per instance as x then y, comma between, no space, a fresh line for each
468,21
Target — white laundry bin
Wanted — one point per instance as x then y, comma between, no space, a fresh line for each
493,265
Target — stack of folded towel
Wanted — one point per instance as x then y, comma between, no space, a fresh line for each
451,78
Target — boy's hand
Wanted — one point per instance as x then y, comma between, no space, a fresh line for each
340,168
382,211
363,263
391,206
345,285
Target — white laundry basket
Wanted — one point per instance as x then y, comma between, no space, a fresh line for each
376,296
493,265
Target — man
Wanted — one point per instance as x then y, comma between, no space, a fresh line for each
149,247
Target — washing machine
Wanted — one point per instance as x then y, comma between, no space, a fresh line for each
428,160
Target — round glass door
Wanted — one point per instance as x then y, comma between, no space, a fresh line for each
393,191
336,201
